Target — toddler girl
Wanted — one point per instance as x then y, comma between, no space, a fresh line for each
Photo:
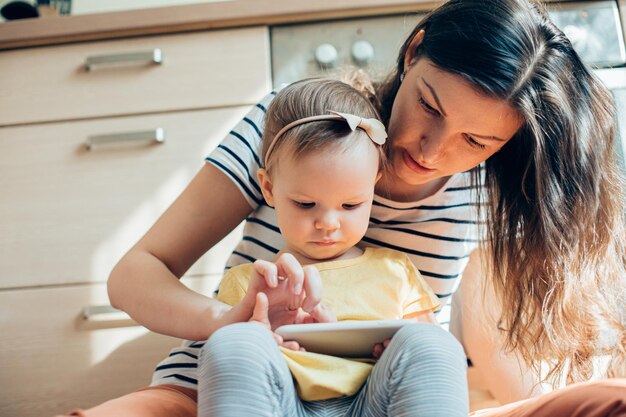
322,157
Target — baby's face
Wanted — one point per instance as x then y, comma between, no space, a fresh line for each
323,200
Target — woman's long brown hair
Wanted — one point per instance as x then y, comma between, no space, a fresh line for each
554,202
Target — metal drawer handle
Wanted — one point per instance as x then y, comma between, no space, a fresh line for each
105,314
154,56
155,135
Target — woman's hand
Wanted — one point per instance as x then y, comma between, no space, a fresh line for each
260,316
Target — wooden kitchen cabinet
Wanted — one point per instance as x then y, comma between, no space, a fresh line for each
198,70
72,212
68,211
53,359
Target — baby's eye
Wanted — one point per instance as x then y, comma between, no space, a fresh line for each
351,206
303,204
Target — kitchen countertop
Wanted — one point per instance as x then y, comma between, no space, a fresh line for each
194,17
239,13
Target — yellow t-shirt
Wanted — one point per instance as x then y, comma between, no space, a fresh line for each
381,284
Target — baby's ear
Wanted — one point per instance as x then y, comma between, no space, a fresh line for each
266,186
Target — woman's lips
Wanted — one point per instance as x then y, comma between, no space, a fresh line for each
411,163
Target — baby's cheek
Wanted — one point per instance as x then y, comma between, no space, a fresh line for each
359,226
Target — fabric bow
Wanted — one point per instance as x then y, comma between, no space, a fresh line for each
373,127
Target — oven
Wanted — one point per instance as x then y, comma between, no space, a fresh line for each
322,48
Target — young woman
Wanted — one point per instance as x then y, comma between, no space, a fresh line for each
488,89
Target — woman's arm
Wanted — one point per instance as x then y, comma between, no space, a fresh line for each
507,378
145,282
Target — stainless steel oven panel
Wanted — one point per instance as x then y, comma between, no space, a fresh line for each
315,49
595,30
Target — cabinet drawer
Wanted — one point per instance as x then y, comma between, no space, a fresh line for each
53,360
68,214
198,70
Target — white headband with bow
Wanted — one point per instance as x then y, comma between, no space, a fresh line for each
373,127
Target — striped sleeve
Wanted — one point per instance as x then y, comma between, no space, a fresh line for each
239,153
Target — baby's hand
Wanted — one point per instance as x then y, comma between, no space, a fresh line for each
379,348
285,276
426,316
288,287
319,314
260,317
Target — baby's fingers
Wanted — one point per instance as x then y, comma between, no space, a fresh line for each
264,274
378,350
278,338
322,314
291,345
312,287
288,266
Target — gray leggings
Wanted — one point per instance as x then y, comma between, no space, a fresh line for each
421,373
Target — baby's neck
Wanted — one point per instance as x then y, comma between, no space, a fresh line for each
353,252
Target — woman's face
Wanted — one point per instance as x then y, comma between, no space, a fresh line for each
440,125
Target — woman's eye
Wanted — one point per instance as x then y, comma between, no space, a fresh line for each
430,109
303,204
351,206
473,143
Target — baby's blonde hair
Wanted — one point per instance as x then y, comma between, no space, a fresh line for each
314,97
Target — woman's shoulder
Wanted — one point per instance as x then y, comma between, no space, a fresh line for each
239,154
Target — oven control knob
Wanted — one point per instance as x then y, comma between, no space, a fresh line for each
326,55
362,53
